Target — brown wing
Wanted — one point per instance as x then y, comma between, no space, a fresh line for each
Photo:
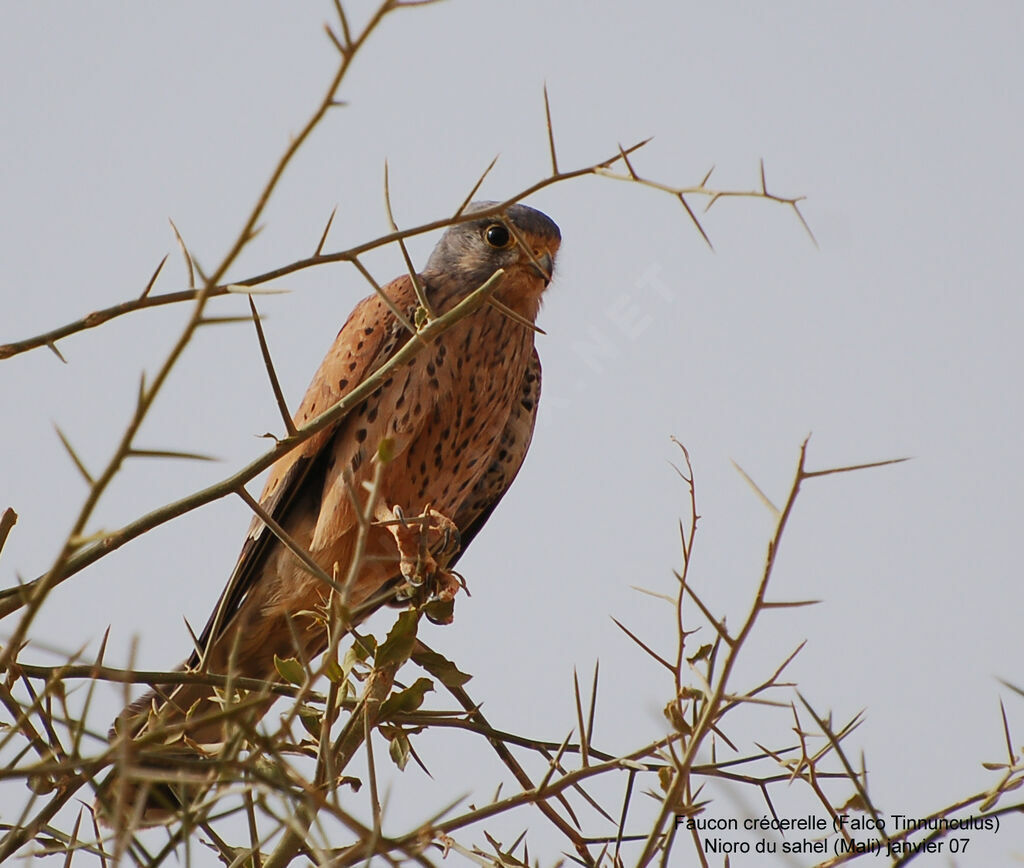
515,440
491,487
370,336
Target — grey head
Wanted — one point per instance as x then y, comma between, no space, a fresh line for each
474,250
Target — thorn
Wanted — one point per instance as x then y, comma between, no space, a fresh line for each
696,222
327,228
56,352
189,265
74,456
476,186
152,280
551,132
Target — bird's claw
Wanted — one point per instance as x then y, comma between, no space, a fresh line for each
426,544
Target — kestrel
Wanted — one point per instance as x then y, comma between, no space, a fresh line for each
456,421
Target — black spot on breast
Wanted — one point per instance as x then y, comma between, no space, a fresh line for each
399,401
528,405
423,467
502,454
357,460
471,463
431,369
359,346
342,383
434,384
368,330
351,366
360,435
438,462
372,415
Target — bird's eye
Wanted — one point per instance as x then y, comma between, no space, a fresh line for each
497,236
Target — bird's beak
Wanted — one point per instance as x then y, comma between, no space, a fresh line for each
542,263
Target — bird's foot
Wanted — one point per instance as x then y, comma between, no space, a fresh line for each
426,543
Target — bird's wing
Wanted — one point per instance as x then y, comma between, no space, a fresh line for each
515,440
370,336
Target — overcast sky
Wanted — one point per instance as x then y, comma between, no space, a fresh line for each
899,335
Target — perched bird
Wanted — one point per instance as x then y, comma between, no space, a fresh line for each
457,420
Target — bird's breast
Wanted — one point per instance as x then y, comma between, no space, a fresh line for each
465,386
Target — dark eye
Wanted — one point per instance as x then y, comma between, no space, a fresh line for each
497,236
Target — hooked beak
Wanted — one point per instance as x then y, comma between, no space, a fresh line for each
541,265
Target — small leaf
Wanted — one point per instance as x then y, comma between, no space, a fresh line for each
406,700
665,776
310,720
440,611
386,450
441,668
401,639
399,751
41,785
360,650
854,803
675,717
702,652
290,670
334,672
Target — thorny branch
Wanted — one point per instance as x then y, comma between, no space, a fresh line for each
263,776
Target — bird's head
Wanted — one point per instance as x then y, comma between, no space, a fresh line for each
522,240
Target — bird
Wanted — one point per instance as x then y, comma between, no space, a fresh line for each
444,434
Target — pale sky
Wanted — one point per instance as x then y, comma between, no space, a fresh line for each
899,335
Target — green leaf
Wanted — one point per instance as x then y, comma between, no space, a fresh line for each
440,611
675,717
702,652
291,670
399,644
386,450
362,648
406,700
441,668
310,720
333,672
400,750
665,776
